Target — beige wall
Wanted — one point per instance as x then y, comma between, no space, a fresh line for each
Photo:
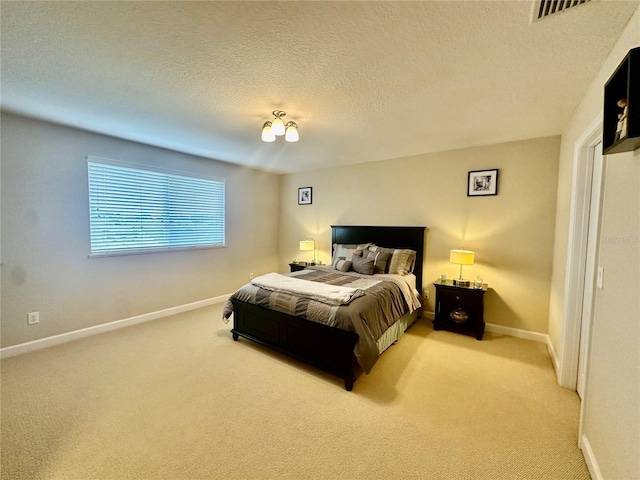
612,402
611,417
45,235
511,233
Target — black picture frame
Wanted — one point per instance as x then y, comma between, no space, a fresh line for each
304,196
482,183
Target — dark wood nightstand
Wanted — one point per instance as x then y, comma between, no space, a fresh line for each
459,309
297,266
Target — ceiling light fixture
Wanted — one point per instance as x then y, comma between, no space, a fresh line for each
277,128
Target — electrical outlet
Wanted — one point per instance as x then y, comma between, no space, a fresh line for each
251,276
425,294
33,318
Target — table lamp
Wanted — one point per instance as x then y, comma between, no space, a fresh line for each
462,257
308,245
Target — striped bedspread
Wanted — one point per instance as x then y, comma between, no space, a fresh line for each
386,299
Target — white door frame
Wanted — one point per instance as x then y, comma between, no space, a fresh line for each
577,253
593,243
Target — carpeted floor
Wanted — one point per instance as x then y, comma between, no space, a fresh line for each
177,398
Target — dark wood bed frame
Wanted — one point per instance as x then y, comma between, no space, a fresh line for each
327,348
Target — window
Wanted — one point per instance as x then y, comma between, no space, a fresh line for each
139,211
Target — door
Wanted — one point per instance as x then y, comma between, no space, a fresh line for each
589,288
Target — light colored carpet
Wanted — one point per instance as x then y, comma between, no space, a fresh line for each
177,398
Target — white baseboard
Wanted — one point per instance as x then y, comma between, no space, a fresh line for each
106,327
516,332
590,459
554,356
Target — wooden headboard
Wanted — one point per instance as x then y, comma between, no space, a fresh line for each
389,237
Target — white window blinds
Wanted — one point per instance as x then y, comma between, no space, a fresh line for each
137,211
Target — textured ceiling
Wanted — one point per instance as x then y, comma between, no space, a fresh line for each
364,80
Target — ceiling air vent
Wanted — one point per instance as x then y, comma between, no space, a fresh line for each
545,8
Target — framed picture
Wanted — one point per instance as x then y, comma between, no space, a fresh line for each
304,196
482,182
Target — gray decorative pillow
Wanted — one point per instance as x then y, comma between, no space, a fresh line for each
342,264
380,258
363,265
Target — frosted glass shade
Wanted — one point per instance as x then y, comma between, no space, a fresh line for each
292,133
277,127
462,257
267,133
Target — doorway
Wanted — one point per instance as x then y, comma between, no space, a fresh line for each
581,257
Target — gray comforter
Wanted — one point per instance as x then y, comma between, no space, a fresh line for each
386,299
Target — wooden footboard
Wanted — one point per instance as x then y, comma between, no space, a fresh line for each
327,348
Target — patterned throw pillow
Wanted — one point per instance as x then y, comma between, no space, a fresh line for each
363,265
341,264
380,259
402,261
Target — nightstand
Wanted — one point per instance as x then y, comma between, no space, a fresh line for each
459,309
297,266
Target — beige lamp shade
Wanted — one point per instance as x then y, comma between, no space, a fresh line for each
461,257
307,245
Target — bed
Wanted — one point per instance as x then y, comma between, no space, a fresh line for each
331,347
